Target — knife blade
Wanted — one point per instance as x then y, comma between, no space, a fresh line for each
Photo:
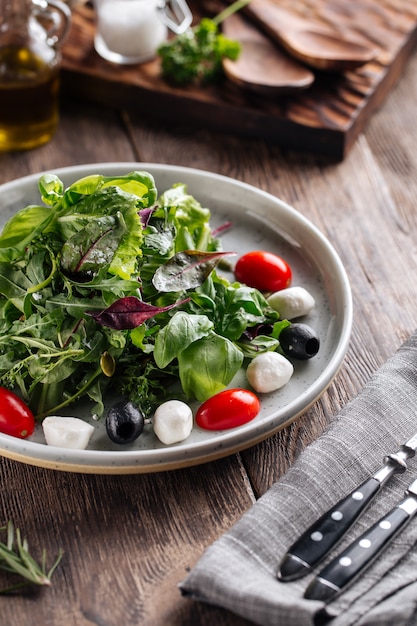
325,533
345,568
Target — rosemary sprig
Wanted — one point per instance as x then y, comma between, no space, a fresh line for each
15,558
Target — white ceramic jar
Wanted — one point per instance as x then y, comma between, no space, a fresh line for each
130,31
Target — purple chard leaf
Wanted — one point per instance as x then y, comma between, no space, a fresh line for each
93,246
186,270
217,232
145,215
129,312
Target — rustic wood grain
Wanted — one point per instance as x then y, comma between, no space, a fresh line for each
325,119
83,136
129,540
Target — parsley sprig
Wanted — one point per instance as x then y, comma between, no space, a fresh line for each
196,55
16,559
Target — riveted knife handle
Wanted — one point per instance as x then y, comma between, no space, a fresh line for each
340,572
325,533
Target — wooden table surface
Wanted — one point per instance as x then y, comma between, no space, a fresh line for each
128,540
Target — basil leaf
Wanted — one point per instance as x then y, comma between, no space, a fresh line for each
51,188
208,365
181,331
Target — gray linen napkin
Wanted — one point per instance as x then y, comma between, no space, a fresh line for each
238,572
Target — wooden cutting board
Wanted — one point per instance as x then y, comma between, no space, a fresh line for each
325,119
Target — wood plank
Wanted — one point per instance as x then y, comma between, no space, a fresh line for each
392,137
325,119
127,541
85,134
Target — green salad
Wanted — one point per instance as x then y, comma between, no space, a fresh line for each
108,287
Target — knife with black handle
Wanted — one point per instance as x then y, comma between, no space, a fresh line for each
345,568
317,541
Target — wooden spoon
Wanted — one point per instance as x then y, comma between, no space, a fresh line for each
262,66
316,46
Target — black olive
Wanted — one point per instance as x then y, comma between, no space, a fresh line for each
299,341
124,422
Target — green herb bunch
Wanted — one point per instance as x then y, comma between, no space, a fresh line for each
196,55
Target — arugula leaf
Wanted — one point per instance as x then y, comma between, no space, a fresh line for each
104,291
232,307
14,285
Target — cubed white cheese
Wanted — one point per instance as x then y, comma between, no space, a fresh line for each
67,432
292,302
269,371
173,421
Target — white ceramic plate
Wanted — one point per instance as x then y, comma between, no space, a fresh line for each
260,221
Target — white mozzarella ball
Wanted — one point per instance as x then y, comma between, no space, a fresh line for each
67,432
292,302
173,421
269,371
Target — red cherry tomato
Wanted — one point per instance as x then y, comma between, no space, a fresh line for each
228,409
263,270
16,418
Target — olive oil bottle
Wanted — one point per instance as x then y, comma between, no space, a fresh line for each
29,72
